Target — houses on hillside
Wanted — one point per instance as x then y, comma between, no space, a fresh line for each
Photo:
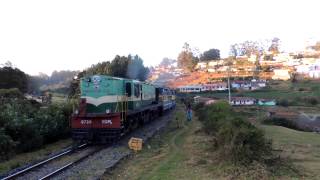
248,101
219,86
248,85
237,101
223,86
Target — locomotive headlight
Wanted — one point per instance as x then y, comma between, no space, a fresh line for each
76,112
107,111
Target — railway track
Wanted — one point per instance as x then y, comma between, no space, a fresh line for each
90,162
33,167
59,170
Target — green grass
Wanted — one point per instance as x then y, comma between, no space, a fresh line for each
24,158
303,148
176,153
295,93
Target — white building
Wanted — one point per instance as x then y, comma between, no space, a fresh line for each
242,101
303,69
211,70
201,65
190,88
220,86
314,71
281,74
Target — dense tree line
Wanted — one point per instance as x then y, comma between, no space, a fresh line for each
11,77
25,125
59,81
211,54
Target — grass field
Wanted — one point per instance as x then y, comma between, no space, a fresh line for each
176,153
24,158
302,148
187,153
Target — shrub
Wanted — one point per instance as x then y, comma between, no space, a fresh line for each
211,115
6,145
242,142
312,100
235,138
25,126
284,123
283,102
10,93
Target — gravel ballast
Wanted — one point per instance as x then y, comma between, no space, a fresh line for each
97,164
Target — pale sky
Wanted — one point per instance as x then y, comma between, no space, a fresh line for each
42,36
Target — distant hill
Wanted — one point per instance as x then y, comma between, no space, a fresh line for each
59,81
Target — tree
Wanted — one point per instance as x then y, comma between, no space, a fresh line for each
186,60
119,66
247,48
136,69
234,50
13,78
166,62
211,54
274,47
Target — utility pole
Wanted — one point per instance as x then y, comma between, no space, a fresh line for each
229,86
229,63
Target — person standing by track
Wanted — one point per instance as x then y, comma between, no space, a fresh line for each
189,113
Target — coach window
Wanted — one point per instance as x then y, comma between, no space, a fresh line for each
136,90
128,89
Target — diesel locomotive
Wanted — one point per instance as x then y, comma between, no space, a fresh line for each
110,107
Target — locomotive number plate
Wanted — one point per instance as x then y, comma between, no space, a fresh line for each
106,121
86,122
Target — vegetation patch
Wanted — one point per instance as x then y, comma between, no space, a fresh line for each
26,126
284,123
237,140
242,147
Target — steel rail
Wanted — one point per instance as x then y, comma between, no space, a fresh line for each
59,170
40,163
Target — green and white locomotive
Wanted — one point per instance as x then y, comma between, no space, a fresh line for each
110,106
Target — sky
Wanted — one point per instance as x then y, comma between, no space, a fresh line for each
42,35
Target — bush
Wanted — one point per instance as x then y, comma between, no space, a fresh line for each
6,145
284,123
26,126
235,138
312,100
283,102
242,142
10,93
211,115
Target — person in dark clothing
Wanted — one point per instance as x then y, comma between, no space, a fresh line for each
189,112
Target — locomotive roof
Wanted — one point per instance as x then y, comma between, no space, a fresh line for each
119,78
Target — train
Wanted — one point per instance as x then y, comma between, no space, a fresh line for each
110,107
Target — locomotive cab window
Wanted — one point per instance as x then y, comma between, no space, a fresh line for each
128,89
136,90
